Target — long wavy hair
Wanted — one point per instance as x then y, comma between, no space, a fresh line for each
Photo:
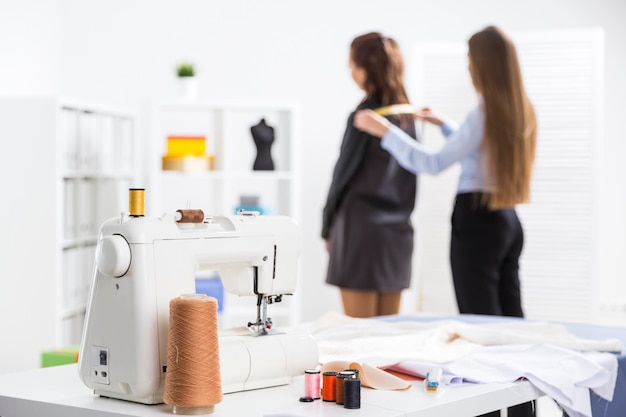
510,123
383,63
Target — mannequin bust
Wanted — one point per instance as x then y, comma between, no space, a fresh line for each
263,135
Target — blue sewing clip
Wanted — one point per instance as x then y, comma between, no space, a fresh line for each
433,380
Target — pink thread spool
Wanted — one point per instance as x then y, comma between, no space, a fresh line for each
312,384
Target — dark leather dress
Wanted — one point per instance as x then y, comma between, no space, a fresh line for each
367,215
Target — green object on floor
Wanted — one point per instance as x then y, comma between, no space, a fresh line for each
59,357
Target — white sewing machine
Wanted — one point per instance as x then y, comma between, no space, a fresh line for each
144,262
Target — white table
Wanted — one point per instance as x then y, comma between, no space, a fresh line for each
59,392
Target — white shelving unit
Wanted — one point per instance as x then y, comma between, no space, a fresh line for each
226,127
98,166
79,158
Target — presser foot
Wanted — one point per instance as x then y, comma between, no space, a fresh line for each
258,329
263,324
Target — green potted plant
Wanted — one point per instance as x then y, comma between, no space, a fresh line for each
186,69
186,72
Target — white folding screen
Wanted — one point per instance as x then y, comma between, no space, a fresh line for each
563,72
440,80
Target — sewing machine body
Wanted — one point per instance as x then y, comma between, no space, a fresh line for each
143,262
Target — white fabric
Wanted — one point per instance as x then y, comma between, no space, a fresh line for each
561,365
516,332
564,375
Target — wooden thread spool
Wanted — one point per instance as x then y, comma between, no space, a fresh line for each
136,200
193,382
339,387
189,216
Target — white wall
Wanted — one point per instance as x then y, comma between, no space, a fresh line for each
124,52
29,64
29,47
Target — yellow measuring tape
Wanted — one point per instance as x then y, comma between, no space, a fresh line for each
395,109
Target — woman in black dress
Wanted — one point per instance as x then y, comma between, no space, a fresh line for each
366,220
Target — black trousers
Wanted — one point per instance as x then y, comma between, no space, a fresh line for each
485,247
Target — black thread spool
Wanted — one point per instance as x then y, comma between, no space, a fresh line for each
352,393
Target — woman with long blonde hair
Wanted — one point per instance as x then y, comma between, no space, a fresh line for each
496,149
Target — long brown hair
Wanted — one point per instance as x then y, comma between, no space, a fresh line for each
510,124
382,61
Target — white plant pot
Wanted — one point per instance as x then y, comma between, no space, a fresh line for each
188,87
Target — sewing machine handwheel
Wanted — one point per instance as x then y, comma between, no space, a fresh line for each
113,256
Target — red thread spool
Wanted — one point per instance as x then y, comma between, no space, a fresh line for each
312,384
329,383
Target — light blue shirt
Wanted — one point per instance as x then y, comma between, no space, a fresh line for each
462,145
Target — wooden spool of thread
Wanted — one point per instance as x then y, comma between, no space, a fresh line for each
193,382
189,216
136,199
339,386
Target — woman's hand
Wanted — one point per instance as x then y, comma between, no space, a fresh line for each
429,116
370,122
